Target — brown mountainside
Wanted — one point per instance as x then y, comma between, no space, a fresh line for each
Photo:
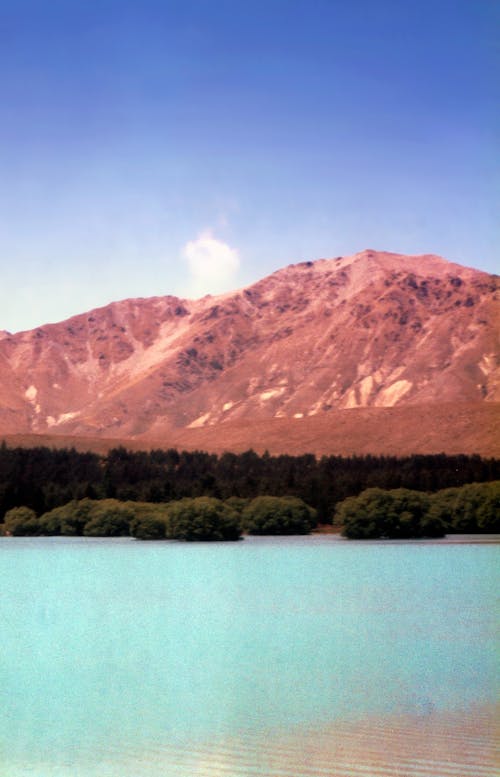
375,330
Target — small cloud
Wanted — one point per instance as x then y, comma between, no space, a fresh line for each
212,264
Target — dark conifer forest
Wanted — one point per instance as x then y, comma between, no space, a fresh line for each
42,478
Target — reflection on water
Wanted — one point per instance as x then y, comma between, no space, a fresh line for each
440,745
282,657
402,746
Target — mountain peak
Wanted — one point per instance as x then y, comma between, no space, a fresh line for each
372,330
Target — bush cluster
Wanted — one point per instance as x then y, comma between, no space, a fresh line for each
469,509
402,513
203,518
278,515
87,517
198,519
376,513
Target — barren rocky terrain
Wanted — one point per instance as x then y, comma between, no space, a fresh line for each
375,352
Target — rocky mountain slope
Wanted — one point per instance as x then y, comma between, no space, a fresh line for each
374,330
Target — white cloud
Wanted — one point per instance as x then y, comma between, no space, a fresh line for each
212,264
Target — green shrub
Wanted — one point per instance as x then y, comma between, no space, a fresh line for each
472,508
21,522
443,506
431,526
148,526
149,521
396,514
109,518
488,513
69,519
362,516
203,518
237,503
278,515
408,510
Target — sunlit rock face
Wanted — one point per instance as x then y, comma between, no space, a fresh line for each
374,330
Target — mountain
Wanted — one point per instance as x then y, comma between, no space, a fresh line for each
315,342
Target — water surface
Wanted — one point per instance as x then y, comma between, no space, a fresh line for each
288,656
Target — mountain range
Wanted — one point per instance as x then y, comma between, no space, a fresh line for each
371,353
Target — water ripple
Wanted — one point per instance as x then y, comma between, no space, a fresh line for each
442,745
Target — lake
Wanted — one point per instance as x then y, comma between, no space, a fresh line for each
290,657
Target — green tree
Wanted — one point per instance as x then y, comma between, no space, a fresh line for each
278,515
109,518
148,527
150,520
408,510
69,519
399,514
237,503
204,518
488,513
443,506
474,507
362,517
21,522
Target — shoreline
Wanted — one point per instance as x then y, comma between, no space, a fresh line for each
319,537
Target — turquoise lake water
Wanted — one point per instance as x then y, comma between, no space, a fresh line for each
121,658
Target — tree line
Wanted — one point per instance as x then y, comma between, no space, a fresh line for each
42,479
374,514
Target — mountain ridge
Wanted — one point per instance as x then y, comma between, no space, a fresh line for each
375,329
440,265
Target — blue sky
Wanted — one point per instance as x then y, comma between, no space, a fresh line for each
155,146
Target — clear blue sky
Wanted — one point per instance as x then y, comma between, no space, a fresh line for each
157,146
